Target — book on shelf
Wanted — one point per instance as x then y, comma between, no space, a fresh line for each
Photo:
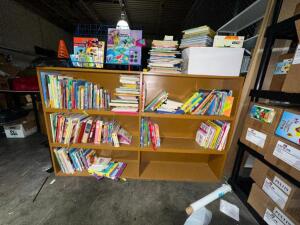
149,134
127,95
63,92
197,37
164,57
71,160
78,128
213,134
203,102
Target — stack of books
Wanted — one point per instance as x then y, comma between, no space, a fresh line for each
162,104
213,134
64,92
197,37
208,103
77,128
156,102
75,159
104,167
127,95
164,57
149,134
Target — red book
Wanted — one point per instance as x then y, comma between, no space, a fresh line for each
82,128
58,127
92,132
152,135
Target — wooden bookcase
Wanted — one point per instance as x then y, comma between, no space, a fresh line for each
179,157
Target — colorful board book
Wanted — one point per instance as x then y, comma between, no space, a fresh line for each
289,127
262,113
88,52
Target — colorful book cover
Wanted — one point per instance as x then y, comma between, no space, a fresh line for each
289,127
88,52
226,111
123,47
263,114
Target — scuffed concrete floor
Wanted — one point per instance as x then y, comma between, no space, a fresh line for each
85,201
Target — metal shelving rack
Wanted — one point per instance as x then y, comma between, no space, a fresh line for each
282,30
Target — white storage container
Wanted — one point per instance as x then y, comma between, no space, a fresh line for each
212,61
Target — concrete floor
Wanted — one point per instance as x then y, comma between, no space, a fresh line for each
85,201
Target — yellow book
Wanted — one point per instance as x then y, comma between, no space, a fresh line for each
193,103
186,104
216,135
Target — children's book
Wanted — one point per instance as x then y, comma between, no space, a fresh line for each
263,114
289,127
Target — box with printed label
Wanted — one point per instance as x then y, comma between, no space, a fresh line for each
268,210
281,191
285,155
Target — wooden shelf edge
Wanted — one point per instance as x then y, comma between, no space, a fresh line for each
90,112
187,151
95,146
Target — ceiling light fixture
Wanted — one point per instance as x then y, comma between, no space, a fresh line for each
122,23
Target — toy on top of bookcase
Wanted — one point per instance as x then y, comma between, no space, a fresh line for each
124,47
88,52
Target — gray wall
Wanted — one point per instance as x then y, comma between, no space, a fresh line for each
22,29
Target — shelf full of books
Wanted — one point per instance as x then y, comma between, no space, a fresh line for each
119,124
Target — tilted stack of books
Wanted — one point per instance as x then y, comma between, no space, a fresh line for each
64,92
213,134
203,102
164,57
77,128
127,95
197,37
149,134
211,103
75,159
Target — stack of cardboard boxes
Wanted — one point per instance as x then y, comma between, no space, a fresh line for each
274,133
288,81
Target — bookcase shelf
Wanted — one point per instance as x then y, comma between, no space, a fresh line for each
177,171
179,157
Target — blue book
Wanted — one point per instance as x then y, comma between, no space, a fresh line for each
45,88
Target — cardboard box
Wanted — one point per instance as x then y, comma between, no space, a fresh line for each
297,9
282,192
292,81
285,155
257,132
212,61
21,128
268,210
